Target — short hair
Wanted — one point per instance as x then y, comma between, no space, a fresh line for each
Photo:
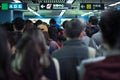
110,27
93,20
38,22
52,21
18,23
74,27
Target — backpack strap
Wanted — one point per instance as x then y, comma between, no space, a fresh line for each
57,66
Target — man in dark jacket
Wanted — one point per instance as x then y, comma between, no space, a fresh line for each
73,50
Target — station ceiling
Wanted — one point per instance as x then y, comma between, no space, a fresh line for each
34,4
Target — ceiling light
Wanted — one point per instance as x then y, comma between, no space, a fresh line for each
62,12
17,1
114,4
86,14
33,11
70,1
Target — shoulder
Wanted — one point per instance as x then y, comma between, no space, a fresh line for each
81,68
93,60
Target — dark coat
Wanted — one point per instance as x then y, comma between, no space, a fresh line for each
107,69
69,56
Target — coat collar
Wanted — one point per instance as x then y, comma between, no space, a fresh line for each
74,42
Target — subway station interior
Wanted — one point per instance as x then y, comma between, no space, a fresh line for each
59,39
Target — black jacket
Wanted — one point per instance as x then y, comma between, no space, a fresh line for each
69,57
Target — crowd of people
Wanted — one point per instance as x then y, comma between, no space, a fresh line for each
78,51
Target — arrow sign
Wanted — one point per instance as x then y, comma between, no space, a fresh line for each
42,6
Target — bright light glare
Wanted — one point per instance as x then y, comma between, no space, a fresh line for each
33,11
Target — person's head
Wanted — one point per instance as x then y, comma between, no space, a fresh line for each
28,24
93,20
63,24
52,21
110,27
8,26
18,23
33,48
38,22
74,29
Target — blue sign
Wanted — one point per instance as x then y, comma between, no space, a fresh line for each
15,6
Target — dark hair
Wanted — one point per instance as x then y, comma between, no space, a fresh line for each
93,20
53,33
18,23
52,21
4,55
33,48
74,28
8,26
63,24
28,24
38,22
110,27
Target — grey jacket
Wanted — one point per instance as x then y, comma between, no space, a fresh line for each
72,53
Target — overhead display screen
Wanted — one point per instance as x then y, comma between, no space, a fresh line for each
13,6
54,6
91,6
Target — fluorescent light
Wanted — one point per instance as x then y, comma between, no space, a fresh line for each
17,1
114,4
62,12
33,11
70,1
86,14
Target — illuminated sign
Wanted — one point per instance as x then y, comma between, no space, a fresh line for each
91,6
13,6
3,6
54,6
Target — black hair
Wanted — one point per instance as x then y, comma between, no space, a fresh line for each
52,21
38,22
8,26
110,27
63,24
93,20
73,28
18,23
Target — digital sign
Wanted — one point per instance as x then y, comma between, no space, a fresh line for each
13,6
3,6
54,6
91,6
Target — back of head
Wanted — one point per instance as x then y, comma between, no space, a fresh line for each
33,48
38,22
73,28
110,27
52,21
93,20
18,23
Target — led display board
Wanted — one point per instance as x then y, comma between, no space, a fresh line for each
91,6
